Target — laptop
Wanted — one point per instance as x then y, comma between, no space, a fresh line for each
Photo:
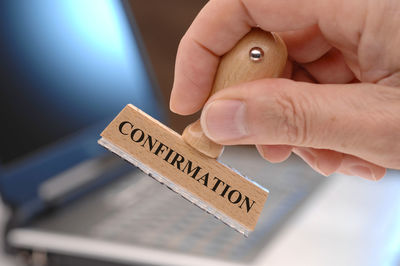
67,68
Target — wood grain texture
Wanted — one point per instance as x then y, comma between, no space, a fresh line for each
242,201
236,67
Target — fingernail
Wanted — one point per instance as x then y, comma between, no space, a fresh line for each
224,120
312,161
307,156
260,149
324,167
362,171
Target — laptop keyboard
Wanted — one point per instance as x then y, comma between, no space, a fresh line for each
138,210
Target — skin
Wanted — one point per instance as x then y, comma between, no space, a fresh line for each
337,104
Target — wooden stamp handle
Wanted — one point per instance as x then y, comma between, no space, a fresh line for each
257,55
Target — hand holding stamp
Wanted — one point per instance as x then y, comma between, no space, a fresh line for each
258,55
196,175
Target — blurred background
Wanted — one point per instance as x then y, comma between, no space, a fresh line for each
161,27
67,67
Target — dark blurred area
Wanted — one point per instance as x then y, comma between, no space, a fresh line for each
81,59
162,24
66,69
57,52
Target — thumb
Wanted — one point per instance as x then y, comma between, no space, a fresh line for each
358,119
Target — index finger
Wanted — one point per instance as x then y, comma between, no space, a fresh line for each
216,29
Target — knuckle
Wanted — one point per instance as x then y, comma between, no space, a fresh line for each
293,124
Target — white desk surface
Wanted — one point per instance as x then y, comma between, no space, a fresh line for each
351,221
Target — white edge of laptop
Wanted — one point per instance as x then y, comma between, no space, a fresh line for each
349,221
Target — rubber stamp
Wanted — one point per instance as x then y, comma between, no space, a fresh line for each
188,163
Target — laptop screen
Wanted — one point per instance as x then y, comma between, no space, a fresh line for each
64,66
67,67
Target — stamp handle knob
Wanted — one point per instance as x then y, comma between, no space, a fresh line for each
257,55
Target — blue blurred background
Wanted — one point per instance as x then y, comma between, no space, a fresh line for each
64,66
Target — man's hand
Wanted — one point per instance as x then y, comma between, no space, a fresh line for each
341,110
